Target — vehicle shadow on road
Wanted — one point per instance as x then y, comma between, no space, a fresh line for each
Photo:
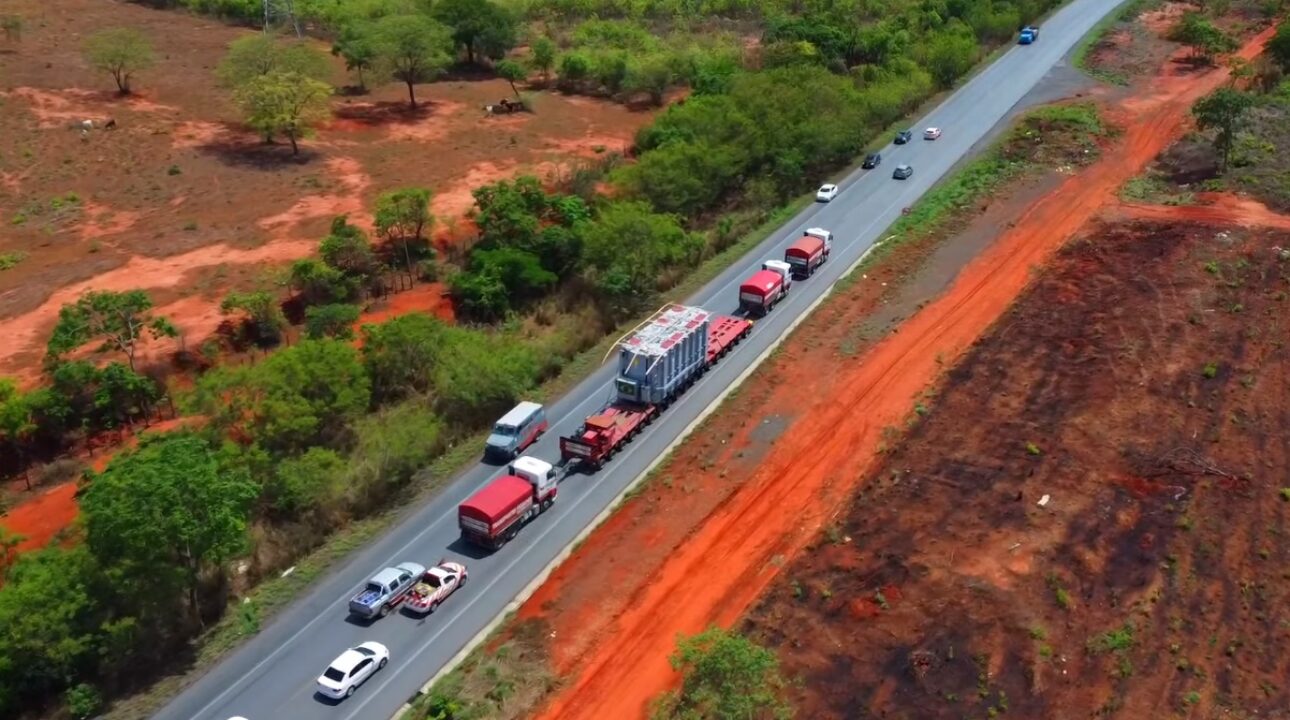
360,621
469,549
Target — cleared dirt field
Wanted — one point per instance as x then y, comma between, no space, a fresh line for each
179,199
1138,389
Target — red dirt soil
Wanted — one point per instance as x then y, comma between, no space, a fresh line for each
180,199
1213,209
730,559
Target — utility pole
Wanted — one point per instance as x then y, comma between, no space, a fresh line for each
281,10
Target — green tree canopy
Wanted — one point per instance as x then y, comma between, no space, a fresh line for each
357,45
347,249
283,102
50,615
403,218
400,354
1195,31
262,309
543,58
120,318
1278,48
165,513
414,48
122,52
319,283
725,676
629,247
1223,110
302,396
252,56
480,27
512,72
331,321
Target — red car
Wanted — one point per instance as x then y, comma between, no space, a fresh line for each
436,585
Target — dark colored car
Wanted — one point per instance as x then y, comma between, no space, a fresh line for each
904,136
902,172
871,161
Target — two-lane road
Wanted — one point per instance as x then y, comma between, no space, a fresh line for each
272,676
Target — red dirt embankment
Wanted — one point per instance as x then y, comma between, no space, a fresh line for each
728,561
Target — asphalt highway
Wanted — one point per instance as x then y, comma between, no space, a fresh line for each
271,677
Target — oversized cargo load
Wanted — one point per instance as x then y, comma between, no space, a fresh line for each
662,354
759,293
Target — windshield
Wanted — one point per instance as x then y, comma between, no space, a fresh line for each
504,430
364,652
334,674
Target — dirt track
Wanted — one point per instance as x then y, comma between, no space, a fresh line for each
830,444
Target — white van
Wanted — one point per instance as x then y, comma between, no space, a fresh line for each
517,429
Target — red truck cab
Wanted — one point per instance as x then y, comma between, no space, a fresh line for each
759,293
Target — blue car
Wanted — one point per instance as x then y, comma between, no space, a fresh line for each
1028,35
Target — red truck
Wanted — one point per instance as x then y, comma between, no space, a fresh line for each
809,252
759,293
496,512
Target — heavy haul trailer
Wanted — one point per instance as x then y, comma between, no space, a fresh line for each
656,362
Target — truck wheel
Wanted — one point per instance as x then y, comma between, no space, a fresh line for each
385,610
433,606
546,505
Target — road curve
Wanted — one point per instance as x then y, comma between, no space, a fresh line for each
272,675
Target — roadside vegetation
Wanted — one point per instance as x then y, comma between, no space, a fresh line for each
321,434
1234,148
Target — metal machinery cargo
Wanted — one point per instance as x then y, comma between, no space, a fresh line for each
663,354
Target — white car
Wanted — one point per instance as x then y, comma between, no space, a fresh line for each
931,133
827,192
351,669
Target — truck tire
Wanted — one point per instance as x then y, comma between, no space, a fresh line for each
385,610
546,505
433,606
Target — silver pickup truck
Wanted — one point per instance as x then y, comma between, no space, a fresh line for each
386,590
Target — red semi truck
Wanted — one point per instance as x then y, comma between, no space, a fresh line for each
809,252
496,512
759,293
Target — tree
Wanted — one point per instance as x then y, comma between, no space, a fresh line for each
163,515
120,318
512,72
1197,32
300,397
121,394
331,321
252,56
399,355
283,102
414,48
305,482
358,47
319,283
725,677
479,27
50,617
262,309
121,52
16,423
629,247
949,55
347,249
543,59
403,217
1223,110
1278,47
479,375
651,74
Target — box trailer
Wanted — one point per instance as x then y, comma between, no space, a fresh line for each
759,293
496,512
805,255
